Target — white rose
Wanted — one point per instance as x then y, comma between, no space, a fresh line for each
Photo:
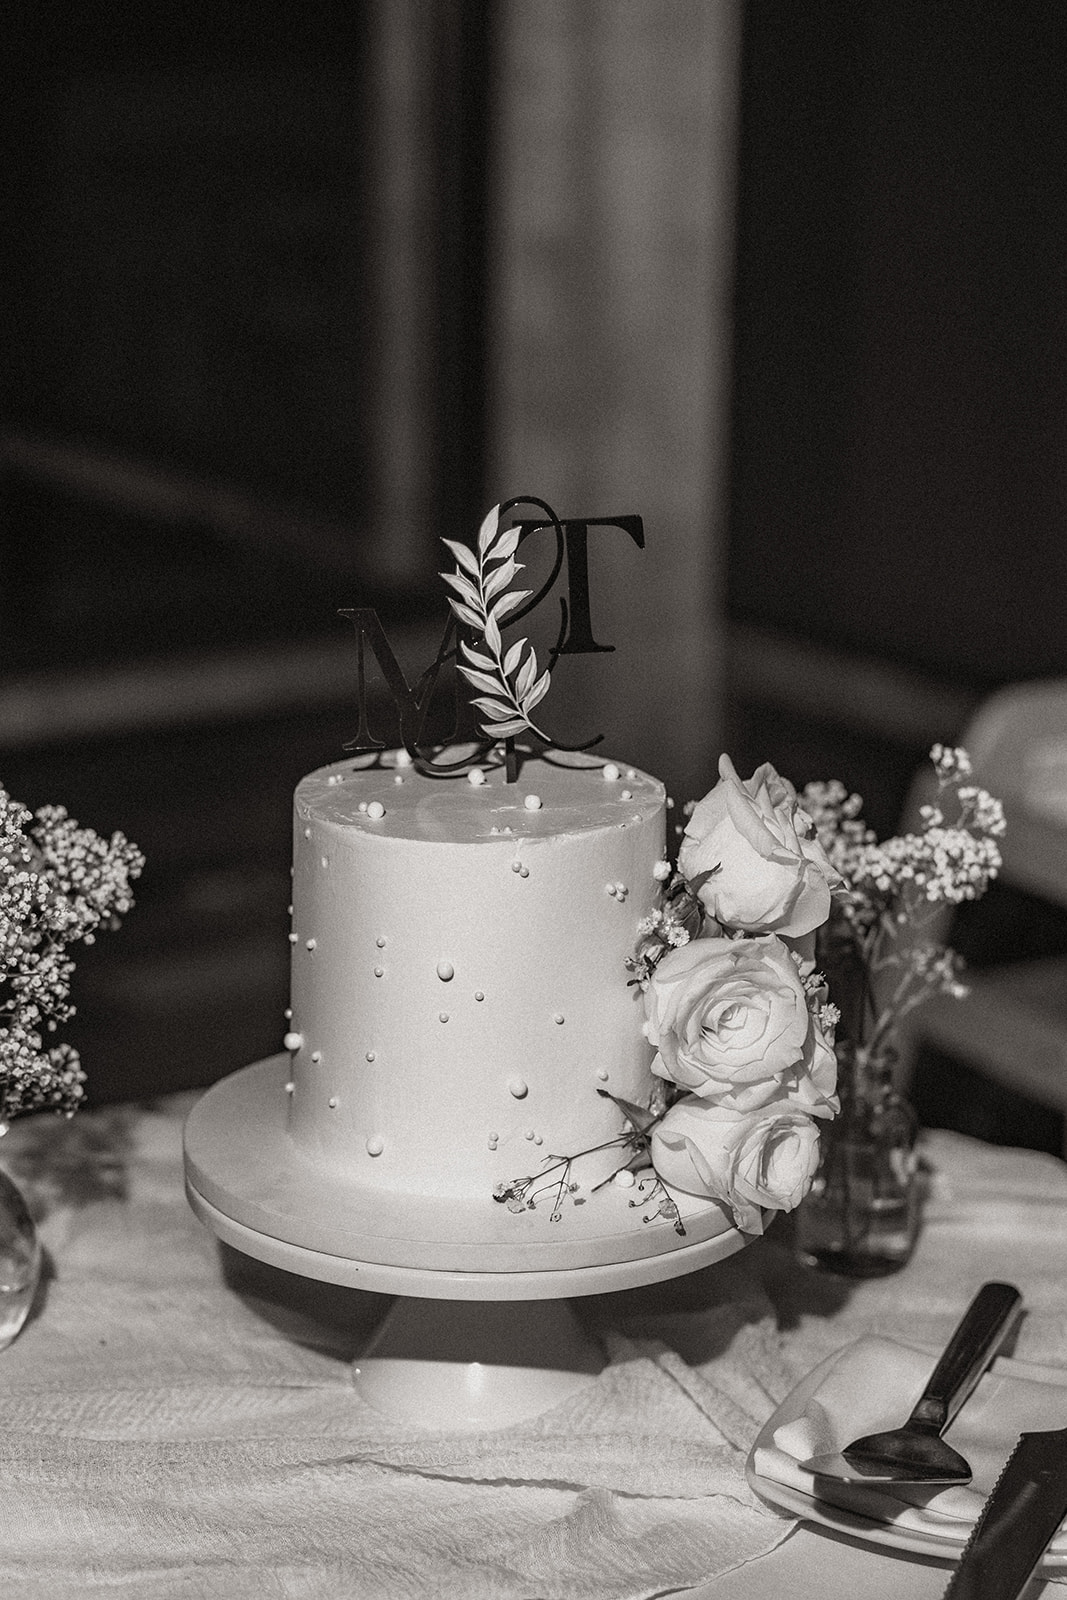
730,1021
748,1160
767,871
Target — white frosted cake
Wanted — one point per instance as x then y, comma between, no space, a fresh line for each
520,1040
459,982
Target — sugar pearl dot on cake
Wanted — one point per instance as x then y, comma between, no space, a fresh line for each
518,1087
611,773
332,1102
293,1041
310,944
290,1087
476,777
375,1145
602,1074
532,802
479,994
376,811
624,1179
378,971
316,1055
442,1016
380,942
446,971
661,871
371,1055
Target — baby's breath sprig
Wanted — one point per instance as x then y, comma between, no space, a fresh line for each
672,923
510,680
651,1196
524,1194
877,941
555,1179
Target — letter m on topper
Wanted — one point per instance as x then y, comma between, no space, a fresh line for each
411,702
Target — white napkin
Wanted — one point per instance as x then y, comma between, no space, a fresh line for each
872,1386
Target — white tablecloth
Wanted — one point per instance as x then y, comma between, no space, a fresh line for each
178,1420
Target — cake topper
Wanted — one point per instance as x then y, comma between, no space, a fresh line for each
509,681
509,678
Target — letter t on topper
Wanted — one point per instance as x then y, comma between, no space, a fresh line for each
579,640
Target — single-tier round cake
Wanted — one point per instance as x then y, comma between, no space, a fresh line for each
459,1108
460,991
526,1056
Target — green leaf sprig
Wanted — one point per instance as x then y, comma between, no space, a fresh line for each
509,679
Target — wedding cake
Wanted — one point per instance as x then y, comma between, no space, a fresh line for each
520,1040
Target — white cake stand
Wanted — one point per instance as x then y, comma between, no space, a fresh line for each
481,1334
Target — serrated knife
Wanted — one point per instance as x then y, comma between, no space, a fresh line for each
1017,1523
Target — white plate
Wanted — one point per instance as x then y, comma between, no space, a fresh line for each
784,1497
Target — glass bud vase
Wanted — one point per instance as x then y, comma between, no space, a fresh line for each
861,1216
20,1259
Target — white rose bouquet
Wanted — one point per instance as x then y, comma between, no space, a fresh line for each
773,892
741,1022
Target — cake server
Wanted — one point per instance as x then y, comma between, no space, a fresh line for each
916,1452
1017,1523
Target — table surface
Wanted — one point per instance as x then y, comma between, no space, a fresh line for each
180,1420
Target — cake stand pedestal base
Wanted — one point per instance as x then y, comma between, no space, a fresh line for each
458,1364
482,1334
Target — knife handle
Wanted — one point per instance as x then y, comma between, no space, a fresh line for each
967,1354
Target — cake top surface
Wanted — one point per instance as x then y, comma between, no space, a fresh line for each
556,793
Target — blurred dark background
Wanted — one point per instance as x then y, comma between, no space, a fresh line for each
286,301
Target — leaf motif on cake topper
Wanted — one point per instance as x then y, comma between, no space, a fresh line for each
510,682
